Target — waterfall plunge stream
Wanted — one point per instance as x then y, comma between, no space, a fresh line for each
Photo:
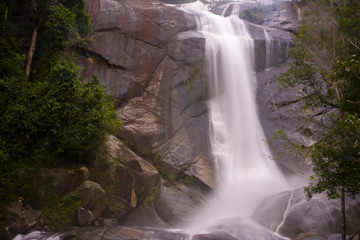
246,172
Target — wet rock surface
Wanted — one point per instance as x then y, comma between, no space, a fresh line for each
234,229
20,219
156,73
128,42
85,217
280,15
291,215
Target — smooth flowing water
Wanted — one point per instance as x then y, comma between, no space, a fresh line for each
246,172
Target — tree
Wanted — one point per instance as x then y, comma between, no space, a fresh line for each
53,120
55,23
336,163
326,62
82,18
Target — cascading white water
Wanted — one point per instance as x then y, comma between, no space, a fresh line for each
246,172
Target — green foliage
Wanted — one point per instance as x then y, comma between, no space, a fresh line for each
51,123
58,28
58,212
348,17
348,71
60,25
197,73
317,46
81,17
305,71
57,120
54,120
100,169
62,212
11,61
326,64
336,161
172,176
150,198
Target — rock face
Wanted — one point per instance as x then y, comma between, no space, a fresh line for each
133,179
159,166
278,15
151,60
130,39
149,57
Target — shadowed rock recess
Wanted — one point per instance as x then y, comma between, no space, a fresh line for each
159,167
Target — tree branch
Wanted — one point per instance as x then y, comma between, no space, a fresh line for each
355,43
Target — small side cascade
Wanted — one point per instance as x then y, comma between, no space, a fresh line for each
269,47
286,212
225,10
236,9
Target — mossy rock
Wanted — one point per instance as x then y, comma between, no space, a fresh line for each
92,197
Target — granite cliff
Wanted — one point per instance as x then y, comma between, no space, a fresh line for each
159,165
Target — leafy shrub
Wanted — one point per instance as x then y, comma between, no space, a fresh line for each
52,123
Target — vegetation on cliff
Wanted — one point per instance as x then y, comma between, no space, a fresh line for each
326,62
48,118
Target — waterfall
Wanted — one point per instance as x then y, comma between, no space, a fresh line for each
245,170
246,173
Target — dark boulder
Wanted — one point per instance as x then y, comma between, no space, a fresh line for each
19,220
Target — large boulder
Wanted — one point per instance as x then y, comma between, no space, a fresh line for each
145,216
291,215
92,196
144,176
132,179
173,205
66,180
19,219
85,217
